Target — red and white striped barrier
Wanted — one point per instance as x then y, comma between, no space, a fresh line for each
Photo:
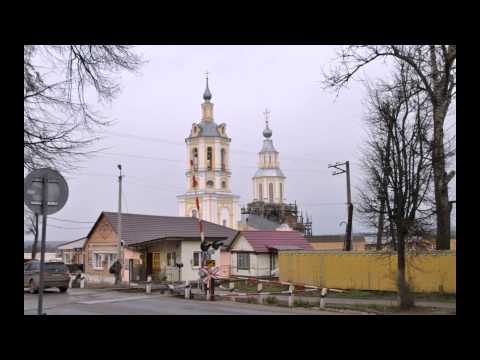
278,282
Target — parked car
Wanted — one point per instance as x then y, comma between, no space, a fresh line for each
56,275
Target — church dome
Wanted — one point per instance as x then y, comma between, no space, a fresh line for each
207,95
267,132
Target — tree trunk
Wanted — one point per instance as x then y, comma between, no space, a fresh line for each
393,236
381,218
404,294
35,239
440,180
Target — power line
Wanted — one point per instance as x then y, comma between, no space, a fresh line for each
180,162
69,228
183,144
71,221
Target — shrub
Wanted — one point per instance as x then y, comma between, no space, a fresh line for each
271,300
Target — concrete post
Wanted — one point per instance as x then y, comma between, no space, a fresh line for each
291,288
187,290
82,282
323,298
259,289
148,288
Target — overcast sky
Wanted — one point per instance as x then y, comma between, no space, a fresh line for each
156,108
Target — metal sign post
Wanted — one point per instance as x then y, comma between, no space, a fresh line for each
42,247
45,192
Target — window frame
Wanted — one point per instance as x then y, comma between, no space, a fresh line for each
198,253
271,192
97,255
240,265
171,256
209,158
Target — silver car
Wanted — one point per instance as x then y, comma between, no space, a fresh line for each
56,275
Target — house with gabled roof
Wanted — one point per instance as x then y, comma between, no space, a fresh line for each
153,245
72,251
255,252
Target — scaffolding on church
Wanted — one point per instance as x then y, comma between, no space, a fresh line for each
281,213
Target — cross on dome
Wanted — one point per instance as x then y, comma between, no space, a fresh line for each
267,132
207,95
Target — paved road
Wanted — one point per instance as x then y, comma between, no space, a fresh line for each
98,302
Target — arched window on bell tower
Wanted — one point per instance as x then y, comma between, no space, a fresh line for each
281,193
223,159
270,192
195,158
260,192
209,158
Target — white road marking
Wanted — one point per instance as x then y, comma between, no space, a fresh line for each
115,300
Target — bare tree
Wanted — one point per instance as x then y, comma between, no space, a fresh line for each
59,119
398,166
434,66
30,221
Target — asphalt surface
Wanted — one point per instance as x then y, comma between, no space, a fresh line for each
108,302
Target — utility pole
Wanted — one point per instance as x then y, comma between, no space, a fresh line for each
118,276
348,237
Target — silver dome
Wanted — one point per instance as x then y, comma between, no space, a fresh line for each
267,132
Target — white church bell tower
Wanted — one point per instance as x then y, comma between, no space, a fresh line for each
269,180
208,147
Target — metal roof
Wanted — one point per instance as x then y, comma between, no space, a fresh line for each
260,223
275,172
261,240
268,146
75,244
209,129
138,228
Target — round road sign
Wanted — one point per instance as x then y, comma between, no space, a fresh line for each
57,191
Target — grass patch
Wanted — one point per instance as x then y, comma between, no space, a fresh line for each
389,309
251,287
271,300
302,303
392,295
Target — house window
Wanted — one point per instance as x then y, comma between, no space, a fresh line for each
102,259
67,258
209,158
98,261
260,192
111,258
171,259
243,261
273,262
270,192
196,258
